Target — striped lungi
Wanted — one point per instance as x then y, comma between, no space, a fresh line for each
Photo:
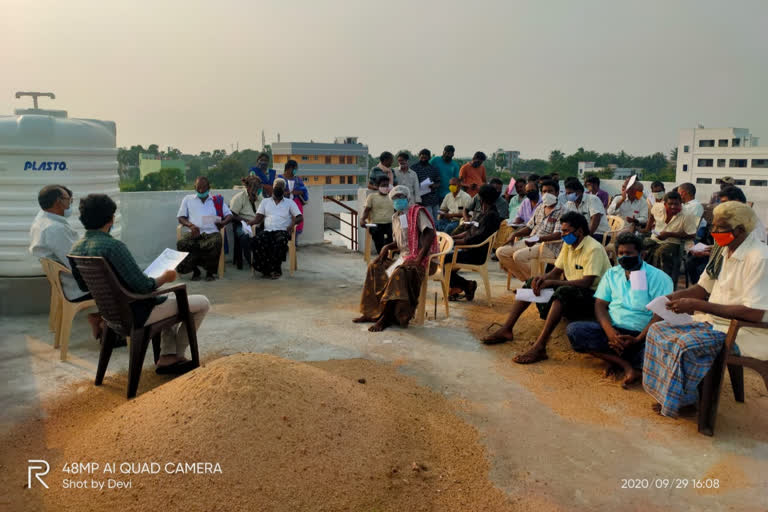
676,359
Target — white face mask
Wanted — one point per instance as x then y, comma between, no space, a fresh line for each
68,212
385,190
548,199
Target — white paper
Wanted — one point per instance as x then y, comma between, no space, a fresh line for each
699,247
391,269
638,280
403,221
527,295
210,221
369,225
424,186
475,223
534,238
167,260
247,229
632,180
659,306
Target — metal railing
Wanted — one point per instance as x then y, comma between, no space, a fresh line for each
353,225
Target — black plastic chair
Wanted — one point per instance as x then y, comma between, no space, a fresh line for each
114,303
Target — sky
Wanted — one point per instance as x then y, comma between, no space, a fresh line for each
531,76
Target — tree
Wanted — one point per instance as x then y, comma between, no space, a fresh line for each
227,174
673,155
169,178
153,149
172,154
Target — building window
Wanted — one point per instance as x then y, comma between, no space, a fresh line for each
705,162
351,160
758,183
721,162
704,181
685,167
761,163
317,178
327,180
305,158
685,149
707,143
351,180
735,143
737,162
739,182
327,160
722,143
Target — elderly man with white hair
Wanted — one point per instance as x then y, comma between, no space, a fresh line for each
677,357
392,286
279,216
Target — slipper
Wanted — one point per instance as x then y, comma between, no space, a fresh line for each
454,298
177,368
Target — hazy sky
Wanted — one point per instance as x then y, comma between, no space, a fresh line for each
526,75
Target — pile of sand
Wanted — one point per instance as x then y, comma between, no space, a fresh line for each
336,435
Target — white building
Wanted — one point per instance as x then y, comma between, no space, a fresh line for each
704,155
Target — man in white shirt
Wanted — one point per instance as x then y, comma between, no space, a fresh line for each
205,215
631,206
452,207
589,205
407,177
687,193
279,216
52,237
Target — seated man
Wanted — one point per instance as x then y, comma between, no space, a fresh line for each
452,207
631,206
657,195
670,226
52,237
618,336
97,213
529,204
582,262
378,210
279,216
516,199
544,226
204,215
589,205
243,207
390,295
488,223
677,357
593,187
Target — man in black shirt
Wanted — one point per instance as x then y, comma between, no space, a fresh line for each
430,199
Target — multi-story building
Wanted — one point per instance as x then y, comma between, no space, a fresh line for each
338,166
704,155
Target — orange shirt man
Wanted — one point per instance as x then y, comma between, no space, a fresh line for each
472,174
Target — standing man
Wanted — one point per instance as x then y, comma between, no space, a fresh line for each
383,167
447,168
264,173
406,177
244,206
205,216
472,174
589,206
378,210
631,206
429,193
593,186
687,193
452,207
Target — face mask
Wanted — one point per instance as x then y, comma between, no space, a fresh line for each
384,190
573,196
723,239
570,238
453,188
549,199
658,195
629,262
400,204
68,212
532,195
278,192
639,194
202,195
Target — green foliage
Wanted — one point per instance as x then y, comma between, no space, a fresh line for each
227,174
169,178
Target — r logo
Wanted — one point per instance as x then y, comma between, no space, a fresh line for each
37,465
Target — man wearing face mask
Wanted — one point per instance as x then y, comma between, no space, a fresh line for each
657,194
589,206
618,335
529,204
378,210
452,207
576,275
472,174
406,177
631,206
670,227
543,226
677,357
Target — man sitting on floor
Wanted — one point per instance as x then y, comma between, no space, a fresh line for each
618,336
453,206
97,213
204,215
582,261
670,226
390,295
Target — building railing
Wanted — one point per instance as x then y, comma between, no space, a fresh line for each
353,244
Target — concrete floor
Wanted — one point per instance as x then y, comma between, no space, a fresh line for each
533,449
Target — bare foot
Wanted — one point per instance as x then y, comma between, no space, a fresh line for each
363,319
380,325
657,408
630,377
611,370
534,355
500,336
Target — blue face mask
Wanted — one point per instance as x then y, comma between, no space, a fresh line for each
68,212
570,238
400,204
202,195
573,196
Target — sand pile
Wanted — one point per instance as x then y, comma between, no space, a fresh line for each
286,435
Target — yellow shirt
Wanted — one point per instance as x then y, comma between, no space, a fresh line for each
588,259
241,205
381,208
683,221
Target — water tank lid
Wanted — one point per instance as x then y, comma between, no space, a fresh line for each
41,112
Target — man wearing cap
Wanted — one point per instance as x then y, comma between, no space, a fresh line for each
726,181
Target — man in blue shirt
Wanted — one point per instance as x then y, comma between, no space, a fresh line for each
618,336
429,197
447,168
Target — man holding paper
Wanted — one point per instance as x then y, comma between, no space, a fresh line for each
97,213
677,357
429,183
623,320
244,206
204,215
453,206
582,262
392,286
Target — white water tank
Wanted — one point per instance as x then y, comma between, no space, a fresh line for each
41,147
